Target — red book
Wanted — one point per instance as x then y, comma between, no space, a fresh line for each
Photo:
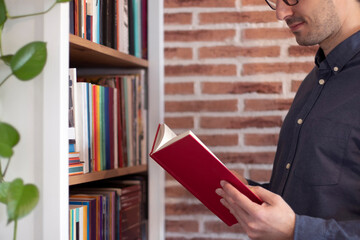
121,134
193,165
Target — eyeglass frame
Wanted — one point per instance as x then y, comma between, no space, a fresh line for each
285,1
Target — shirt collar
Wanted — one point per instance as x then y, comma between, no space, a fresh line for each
341,54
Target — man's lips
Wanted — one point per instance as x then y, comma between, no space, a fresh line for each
295,26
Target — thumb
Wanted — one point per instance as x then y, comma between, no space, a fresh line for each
265,195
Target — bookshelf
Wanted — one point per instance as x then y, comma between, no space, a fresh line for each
87,54
84,53
106,174
41,156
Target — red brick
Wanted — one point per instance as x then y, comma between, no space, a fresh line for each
220,227
267,68
237,17
266,33
297,51
168,177
267,104
220,139
241,87
261,139
252,2
240,122
199,35
201,70
178,192
178,53
179,88
237,172
177,18
180,122
246,157
201,106
181,226
235,51
260,175
198,3
295,84
186,209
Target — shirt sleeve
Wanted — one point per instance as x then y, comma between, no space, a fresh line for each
316,228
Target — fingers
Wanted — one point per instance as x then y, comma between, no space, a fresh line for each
264,194
240,199
233,207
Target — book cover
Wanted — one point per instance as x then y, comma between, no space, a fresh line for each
96,128
76,169
72,86
106,128
144,27
81,123
123,26
193,165
97,207
111,127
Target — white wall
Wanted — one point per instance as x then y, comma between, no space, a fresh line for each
25,105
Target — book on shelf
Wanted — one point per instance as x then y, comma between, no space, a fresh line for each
119,117
120,24
116,210
78,119
95,212
71,129
90,204
76,168
78,219
123,26
194,166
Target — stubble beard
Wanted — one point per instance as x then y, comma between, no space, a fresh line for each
324,24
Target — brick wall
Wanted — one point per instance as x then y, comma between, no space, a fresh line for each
231,72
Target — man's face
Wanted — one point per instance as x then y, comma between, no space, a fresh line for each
311,21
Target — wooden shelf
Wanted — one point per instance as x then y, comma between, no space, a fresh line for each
95,176
85,53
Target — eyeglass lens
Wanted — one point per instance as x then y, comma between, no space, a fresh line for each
272,3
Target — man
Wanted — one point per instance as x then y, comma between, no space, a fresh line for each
314,191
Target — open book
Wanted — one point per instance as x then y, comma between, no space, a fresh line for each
193,165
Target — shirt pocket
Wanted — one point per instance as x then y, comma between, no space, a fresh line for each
320,153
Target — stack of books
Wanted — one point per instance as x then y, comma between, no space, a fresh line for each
75,165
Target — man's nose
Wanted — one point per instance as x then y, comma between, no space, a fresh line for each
283,10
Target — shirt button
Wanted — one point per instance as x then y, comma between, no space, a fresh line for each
336,69
288,166
321,81
300,121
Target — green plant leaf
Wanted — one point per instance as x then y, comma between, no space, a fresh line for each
5,150
29,61
22,199
9,137
61,1
7,58
3,11
4,187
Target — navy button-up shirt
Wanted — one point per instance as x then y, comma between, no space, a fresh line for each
317,164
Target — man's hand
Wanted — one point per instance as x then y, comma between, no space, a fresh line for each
274,219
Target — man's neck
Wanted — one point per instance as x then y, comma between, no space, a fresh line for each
330,43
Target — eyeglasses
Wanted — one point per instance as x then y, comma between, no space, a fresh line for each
272,3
